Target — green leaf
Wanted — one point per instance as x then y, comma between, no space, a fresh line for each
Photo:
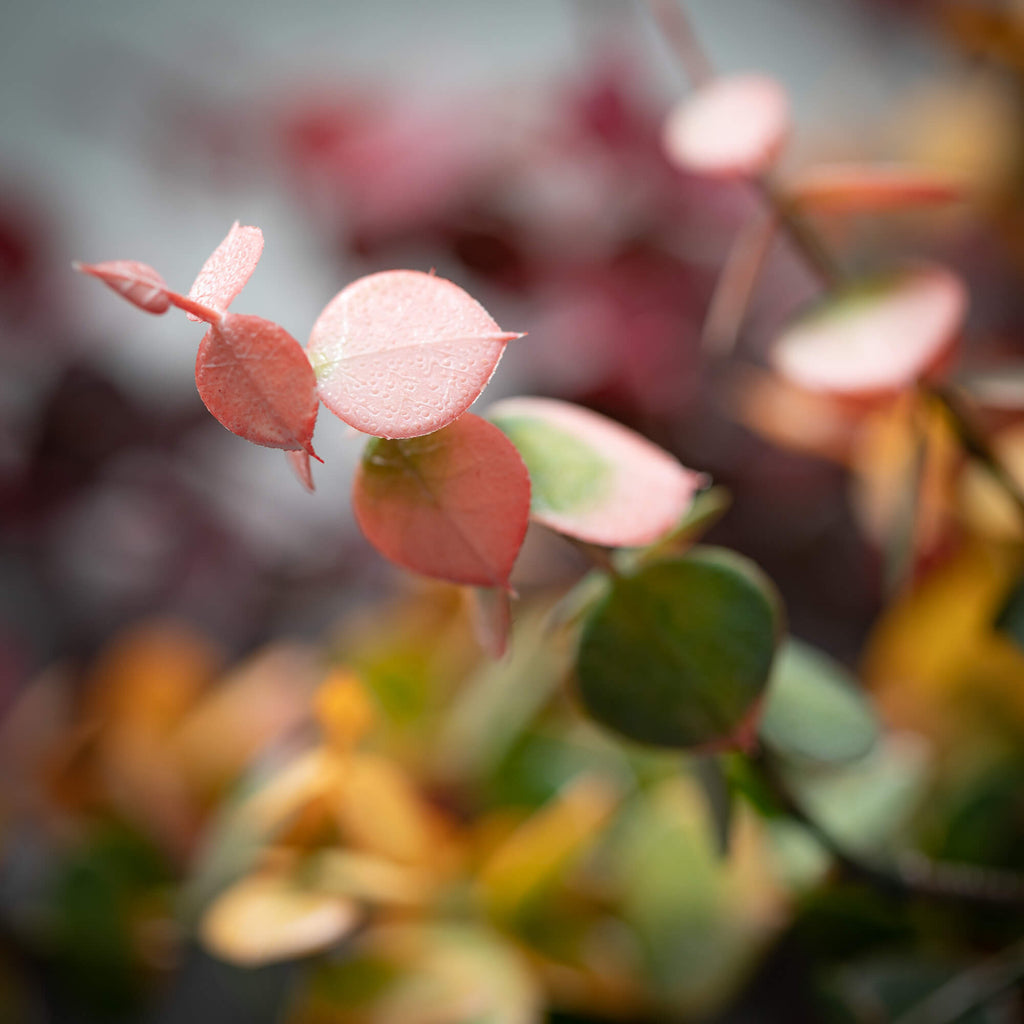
679,653
1010,619
815,709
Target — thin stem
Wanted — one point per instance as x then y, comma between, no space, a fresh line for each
686,45
913,875
974,441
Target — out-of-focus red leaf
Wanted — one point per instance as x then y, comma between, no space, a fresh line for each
140,284
852,188
732,127
256,380
402,353
592,478
876,338
453,505
228,269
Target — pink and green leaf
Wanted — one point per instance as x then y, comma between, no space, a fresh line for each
587,471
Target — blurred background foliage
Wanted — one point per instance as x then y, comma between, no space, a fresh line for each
250,773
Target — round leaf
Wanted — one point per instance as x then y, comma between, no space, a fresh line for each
400,354
254,377
876,338
732,127
592,478
140,284
454,504
815,710
679,654
228,269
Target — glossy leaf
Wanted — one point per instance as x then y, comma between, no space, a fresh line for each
815,710
140,284
453,505
266,919
402,353
256,380
586,473
228,269
732,127
679,653
853,188
876,338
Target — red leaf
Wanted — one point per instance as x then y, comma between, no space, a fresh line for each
851,188
227,270
256,380
732,127
402,353
138,283
876,338
453,504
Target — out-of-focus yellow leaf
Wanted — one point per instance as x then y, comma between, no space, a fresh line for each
379,811
313,775
372,879
267,918
344,709
543,847
934,659
456,975
257,704
986,506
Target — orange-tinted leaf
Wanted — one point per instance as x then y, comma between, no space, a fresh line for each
732,127
591,477
256,380
401,353
225,273
453,504
138,283
851,188
878,337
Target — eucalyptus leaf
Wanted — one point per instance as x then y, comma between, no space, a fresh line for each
679,653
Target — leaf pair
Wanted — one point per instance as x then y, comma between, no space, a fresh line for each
251,374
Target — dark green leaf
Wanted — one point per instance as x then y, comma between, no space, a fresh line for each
679,653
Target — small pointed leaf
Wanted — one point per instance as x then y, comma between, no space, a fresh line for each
138,283
732,127
453,505
876,338
679,653
298,459
592,478
254,377
228,269
402,353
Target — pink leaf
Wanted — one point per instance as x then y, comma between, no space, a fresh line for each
732,127
453,504
402,353
138,283
225,273
876,338
852,188
299,461
256,380
592,478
